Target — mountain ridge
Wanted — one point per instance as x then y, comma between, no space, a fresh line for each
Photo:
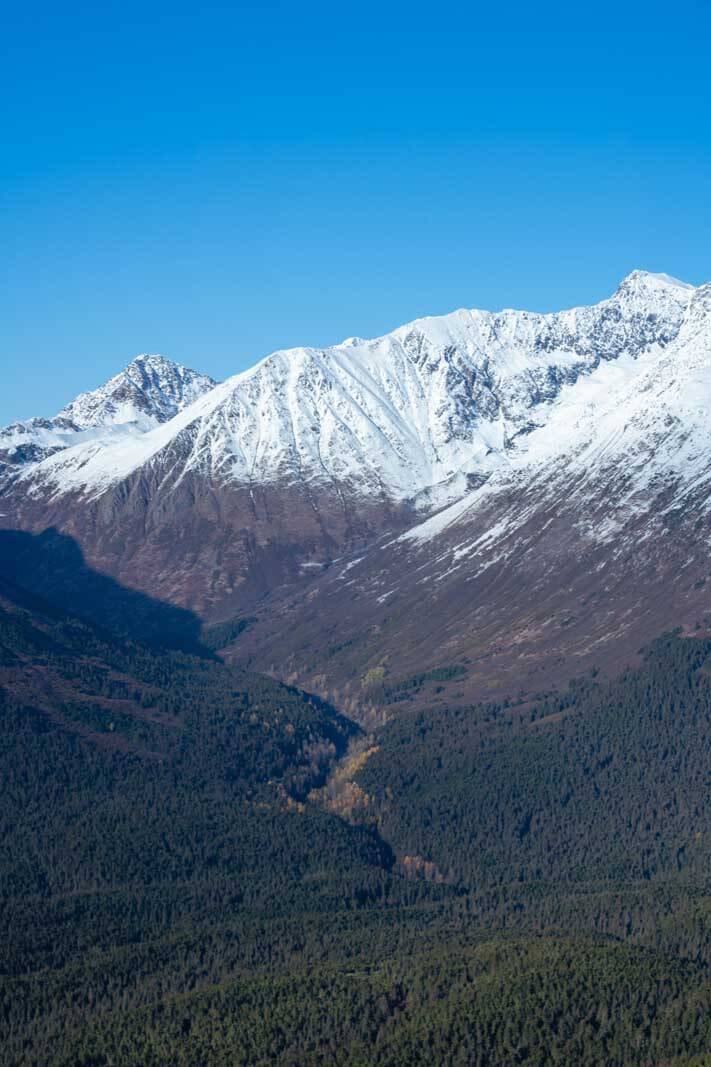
434,402
448,490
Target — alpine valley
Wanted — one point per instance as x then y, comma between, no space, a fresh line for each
357,709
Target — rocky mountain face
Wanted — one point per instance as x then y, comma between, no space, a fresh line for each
510,489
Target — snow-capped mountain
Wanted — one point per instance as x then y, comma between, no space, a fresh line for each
594,538
148,392
463,440
435,402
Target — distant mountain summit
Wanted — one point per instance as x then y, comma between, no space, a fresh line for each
149,391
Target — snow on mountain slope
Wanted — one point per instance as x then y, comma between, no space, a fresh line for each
631,428
591,540
426,410
149,391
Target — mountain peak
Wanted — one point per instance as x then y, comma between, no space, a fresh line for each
153,359
150,389
645,279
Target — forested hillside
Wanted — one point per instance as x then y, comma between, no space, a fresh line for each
606,780
523,883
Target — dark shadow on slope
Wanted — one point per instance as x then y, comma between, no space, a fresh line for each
51,565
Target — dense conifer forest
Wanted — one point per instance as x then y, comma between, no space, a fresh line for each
203,866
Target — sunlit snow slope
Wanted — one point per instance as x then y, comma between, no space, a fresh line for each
426,409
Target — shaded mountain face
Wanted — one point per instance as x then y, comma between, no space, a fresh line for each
508,489
52,565
113,691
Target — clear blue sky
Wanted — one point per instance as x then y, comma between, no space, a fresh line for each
215,181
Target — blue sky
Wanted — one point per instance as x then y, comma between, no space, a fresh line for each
216,181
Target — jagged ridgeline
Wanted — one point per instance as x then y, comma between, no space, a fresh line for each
515,883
